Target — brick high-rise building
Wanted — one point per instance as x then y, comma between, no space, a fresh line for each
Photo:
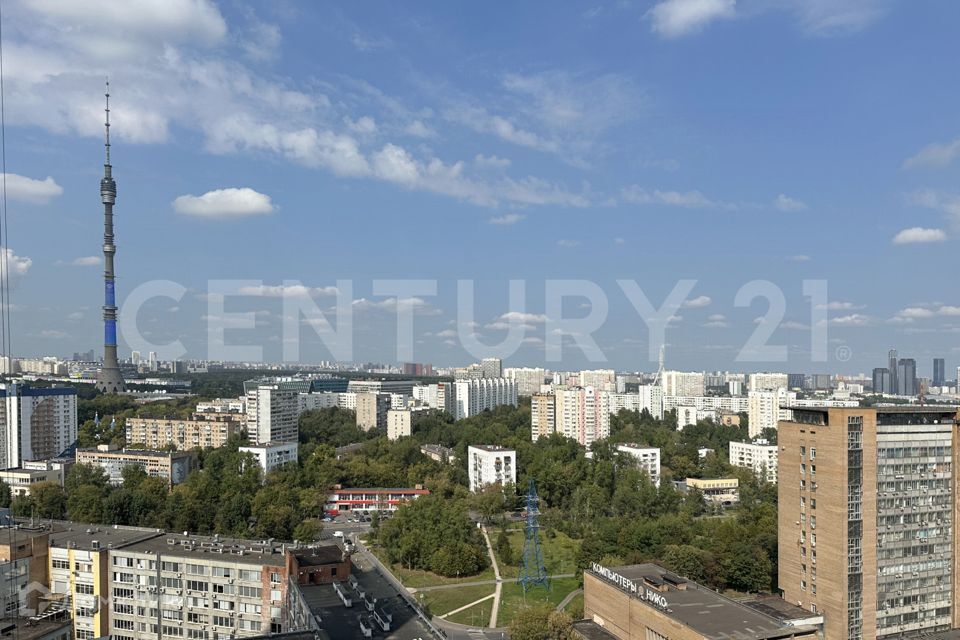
866,518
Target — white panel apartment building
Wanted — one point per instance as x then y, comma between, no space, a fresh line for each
273,411
528,379
471,397
734,404
273,454
599,379
648,459
648,398
35,423
760,457
682,383
398,423
764,410
766,381
491,464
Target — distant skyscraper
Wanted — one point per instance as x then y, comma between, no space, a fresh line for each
907,377
135,358
881,380
939,372
109,380
152,357
892,368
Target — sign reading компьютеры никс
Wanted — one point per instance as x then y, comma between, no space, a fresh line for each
645,594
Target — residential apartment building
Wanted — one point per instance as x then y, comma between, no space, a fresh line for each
171,466
599,379
21,480
491,368
224,405
398,423
732,404
201,430
471,397
372,410
36,423
491,464
867,519
582,414
767,381
648,459
651,400
543,420
404,387
766,409
528,379
273,410
760,457
682,383
272,455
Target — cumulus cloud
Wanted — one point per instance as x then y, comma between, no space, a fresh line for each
840,305
785,203
934,156
30,190
851,320
674,18
225,204
695,303
419,306
919,235
507,219
18,265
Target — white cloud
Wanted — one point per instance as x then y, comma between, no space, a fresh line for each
839,305
53,334
85,261
918,235
716,321
524,317
225,204
29,190
636,194
418,129
673,18
507,219
851,320
784,202
695,303
793,325
364,125
934,155
491,162
947,203
837,17
18,265
567,244
619,242
75,316
286,291
798,258
419,306
260,40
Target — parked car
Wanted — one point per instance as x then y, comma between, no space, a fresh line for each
338,534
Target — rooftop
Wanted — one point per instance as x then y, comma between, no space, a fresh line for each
325,554
255,552
76,535
707,612
490,447
33,628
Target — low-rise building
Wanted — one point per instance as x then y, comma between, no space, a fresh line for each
438,453
647,602
201,430
648,459
759,457
272,455
172,466
398,423
491,464
720,491
20,480
342,500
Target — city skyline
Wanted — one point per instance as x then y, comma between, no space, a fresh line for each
481,158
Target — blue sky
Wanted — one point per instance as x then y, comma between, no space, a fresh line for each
717,140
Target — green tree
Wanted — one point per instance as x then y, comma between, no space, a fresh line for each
308,531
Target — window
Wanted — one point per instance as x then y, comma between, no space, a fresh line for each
196,570
125,609
173,583
222,572
117,593
813,503
123,562
803,452
123,624
249,576
172,614
813,453
250,592
275,595
222,621
170,566
803,585
87,589
223,605
61,564
274,577
196,618
223,588
170,630
196,585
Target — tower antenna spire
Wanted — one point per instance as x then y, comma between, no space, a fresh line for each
106,122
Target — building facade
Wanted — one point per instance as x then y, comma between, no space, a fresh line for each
272,455
273,411
398,423
761,458
35,423
491,465
471,397
202,430
648,459
372,410
867,515
683,383
342,500
528,379
174,467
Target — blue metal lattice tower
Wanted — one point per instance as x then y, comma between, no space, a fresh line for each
532,570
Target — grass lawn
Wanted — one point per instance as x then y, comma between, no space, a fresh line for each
512,599
478,616
443,601
559,552
416,578
575,607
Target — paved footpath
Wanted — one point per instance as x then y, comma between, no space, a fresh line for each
496,572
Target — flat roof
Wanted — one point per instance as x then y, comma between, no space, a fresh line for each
379,490
325,554
897,408
65,534
490,447
779,608
33,628
208,548
707,612
590,630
